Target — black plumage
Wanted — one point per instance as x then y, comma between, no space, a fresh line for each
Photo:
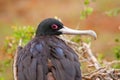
47,57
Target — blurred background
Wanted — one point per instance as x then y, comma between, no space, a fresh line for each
99,15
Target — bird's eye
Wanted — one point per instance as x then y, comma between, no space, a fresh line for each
54,26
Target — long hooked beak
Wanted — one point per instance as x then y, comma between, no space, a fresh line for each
66,30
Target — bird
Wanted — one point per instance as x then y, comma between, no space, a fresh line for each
48,57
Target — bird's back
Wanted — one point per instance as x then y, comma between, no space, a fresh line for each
47,58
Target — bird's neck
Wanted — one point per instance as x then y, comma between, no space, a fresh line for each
48,36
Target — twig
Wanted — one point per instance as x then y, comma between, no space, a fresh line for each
94,60
20,42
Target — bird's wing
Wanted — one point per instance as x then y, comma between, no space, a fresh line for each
65,62
30,62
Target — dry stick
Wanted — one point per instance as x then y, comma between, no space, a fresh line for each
88,50
94,60
20,42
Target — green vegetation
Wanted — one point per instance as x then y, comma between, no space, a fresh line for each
116,50
23,34
86,11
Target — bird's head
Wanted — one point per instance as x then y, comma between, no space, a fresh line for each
53,26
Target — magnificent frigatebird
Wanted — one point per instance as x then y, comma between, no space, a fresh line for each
47,57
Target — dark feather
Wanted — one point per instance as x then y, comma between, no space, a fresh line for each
47,55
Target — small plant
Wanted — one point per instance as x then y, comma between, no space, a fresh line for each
116,51
86,11
113,12
23,34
